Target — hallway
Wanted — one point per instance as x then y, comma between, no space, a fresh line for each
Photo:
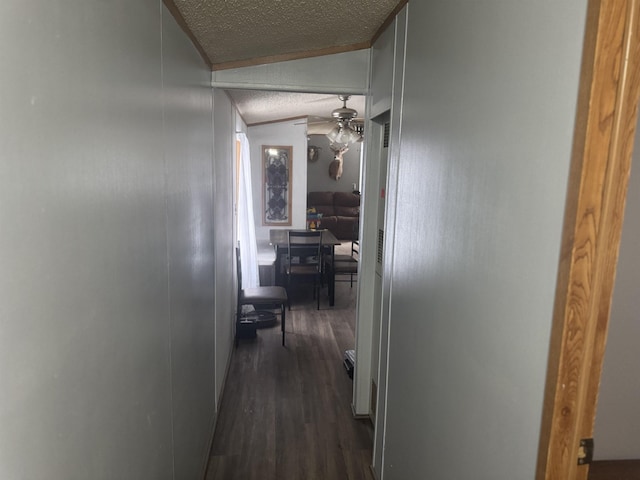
286,412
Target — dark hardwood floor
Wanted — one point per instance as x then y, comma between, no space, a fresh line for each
615,470
286,411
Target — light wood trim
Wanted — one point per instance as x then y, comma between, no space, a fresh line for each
625,124
289,148
289,56
173,9
390,18
603,139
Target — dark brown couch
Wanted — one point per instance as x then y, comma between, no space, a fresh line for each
340,212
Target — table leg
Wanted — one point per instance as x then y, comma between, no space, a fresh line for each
332,281
278,268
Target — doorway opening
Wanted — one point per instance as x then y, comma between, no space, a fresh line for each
301,120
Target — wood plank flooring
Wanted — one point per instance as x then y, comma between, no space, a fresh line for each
615,470
286,411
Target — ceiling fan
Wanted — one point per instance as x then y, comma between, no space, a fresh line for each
342,128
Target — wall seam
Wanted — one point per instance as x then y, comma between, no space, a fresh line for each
395,151
167,245
216,402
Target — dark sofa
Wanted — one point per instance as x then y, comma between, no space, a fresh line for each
340,212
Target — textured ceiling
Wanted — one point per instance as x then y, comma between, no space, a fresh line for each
230,31
263,106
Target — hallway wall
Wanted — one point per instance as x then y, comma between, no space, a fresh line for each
309,75
225,289
490,93
187,143
106,215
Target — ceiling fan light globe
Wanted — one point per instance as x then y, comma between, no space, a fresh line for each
349,135
334,133
345,131
343,134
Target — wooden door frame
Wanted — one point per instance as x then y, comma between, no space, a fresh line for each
601,160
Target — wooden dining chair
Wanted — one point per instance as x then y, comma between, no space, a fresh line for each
270,297
304,259
341,265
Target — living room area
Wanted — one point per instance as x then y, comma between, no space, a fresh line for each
323,178
291,414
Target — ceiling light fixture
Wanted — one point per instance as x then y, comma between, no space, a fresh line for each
344,133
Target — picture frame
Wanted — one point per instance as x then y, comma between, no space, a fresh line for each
276,185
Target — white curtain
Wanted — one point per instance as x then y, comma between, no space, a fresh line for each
246,225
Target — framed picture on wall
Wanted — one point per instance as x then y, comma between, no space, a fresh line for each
276,185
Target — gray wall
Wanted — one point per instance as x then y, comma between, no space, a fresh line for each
290,133
318,179
225,290
617,423
316,74
379,168
487,125
188,192
106,215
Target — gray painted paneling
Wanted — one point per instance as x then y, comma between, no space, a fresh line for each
188,144
225,290
382,54
342,72
487,126
104,285
380,332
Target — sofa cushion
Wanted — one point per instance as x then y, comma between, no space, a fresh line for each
346,228
330,223
325,210
346,199
319,198
350,221
346,211
340,212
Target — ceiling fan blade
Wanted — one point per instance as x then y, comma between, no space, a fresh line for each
311,119
320,128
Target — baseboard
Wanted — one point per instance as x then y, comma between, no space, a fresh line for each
215,413
205,469
364,416
357,416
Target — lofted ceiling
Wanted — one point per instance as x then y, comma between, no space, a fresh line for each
238,33
263,106
233,33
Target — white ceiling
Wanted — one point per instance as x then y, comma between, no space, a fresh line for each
264,106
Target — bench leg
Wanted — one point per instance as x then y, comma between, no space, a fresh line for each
283,312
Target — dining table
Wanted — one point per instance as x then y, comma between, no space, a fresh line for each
279,239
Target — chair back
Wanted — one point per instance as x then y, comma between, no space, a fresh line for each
305,249
239,290
239,268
